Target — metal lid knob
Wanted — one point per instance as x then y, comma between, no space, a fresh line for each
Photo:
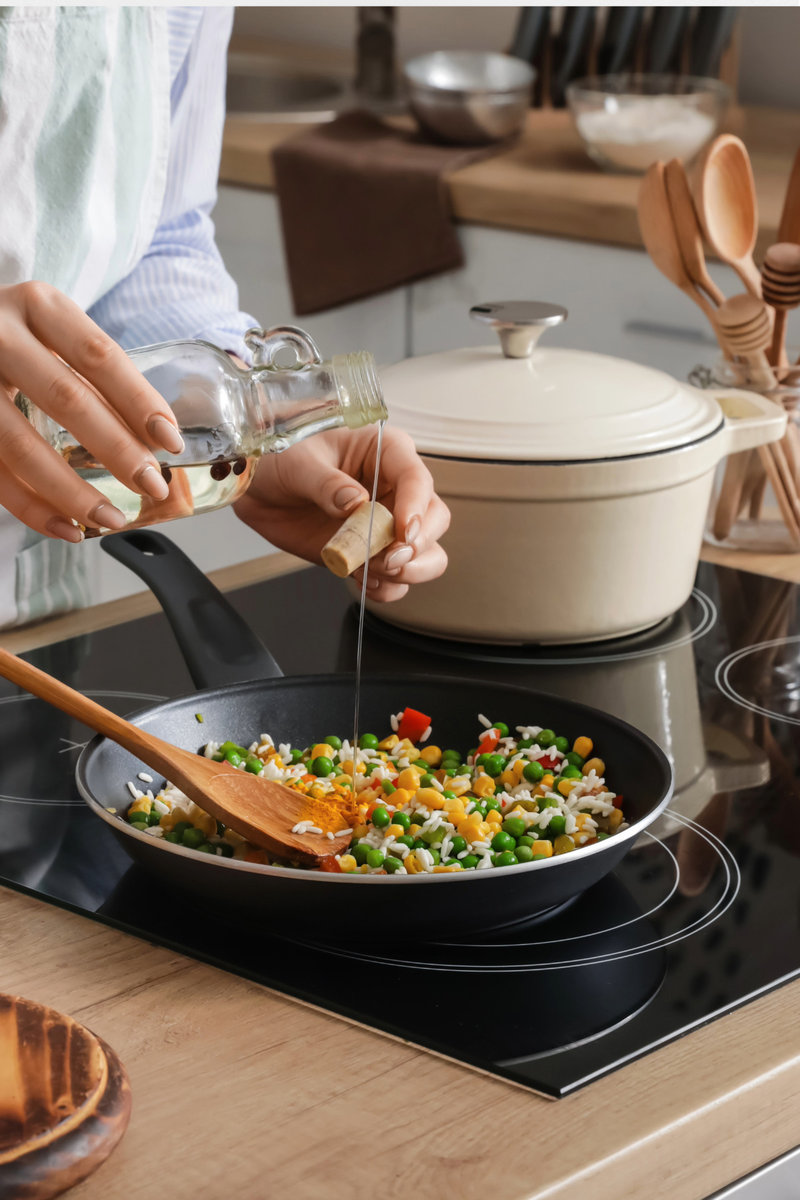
519,323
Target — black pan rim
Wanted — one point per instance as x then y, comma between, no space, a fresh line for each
119,826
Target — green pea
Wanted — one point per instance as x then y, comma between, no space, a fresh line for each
401,818
426,780
422,763
434,853
375,858
469,861
503,841
370,767
482,760
515,826
172,836
225,849
217,758
501,728
492,802
507,859
457,844
322,766
387,787
524,853
571,772
452,771
451,756
240,750
297,755
495,765
524,743
153,817
524,842
545,738
575,760
448,795
380,817
392,864
193,837
557,825
206,848
253,764
480,806
359,852
533,772
180,827
334,741
405,839
433,837
601,835
367,741
233,757
561,744
138,821
420,844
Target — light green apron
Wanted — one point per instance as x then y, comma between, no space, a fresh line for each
84,142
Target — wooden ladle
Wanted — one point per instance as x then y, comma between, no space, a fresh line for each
780,283
261,810
687,228
725,196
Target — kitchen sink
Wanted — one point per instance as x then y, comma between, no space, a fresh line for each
263,87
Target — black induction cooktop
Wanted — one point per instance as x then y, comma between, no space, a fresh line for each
702,916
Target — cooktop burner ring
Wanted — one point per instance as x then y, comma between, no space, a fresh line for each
722,678
729,889
703,621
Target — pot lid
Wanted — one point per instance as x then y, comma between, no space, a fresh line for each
518,402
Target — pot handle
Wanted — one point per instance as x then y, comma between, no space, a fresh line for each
217,644
750,419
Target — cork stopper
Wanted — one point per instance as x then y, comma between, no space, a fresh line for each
347,550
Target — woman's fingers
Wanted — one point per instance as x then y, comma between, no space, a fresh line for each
429,565
24,504
58,323
73,403
25,455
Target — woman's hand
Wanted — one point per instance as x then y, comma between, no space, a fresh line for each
71,370
299,498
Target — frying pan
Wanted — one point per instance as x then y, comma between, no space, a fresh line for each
219,648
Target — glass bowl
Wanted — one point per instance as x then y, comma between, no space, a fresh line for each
629,121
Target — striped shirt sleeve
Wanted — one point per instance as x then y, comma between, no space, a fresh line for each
180,287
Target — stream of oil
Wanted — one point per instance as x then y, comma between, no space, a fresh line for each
360,637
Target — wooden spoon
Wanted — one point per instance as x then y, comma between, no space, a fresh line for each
687,229
725,195
789,227
261,810
780,283
659,235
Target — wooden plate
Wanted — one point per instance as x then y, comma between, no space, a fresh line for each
65,1101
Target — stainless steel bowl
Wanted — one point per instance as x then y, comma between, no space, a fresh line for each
469,97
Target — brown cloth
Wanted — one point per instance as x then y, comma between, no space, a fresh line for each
364,208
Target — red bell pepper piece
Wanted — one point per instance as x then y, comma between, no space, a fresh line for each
328,863
618,801
488,742
412,725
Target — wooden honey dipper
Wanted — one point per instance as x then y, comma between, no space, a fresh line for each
780,284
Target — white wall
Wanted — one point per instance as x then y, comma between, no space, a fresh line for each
769,59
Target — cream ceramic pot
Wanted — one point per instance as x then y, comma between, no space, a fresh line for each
578,483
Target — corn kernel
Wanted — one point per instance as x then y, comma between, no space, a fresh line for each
389,742
459,786
507,778
517,768
430,797
563,844
547,781
395,831
542,848
406,748
581,819
447,870
565,786
594,764
277,761
432,755
614,818
484,786
453,804
322,750
409,779
171,819
414,829
347,862
142,805
206,824
360,831
412,863
583,746
493,817
400,797
343,781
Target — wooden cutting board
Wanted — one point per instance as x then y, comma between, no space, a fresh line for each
65,1101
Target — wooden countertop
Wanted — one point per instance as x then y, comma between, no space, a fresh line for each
544,182
240,1091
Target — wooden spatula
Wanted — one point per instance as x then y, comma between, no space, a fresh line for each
261,810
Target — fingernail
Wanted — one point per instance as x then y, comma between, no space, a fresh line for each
108,517
68,531
372,582
152,481
346,496
164,432
412,530
399,558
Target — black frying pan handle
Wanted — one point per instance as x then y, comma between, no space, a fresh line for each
217,644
